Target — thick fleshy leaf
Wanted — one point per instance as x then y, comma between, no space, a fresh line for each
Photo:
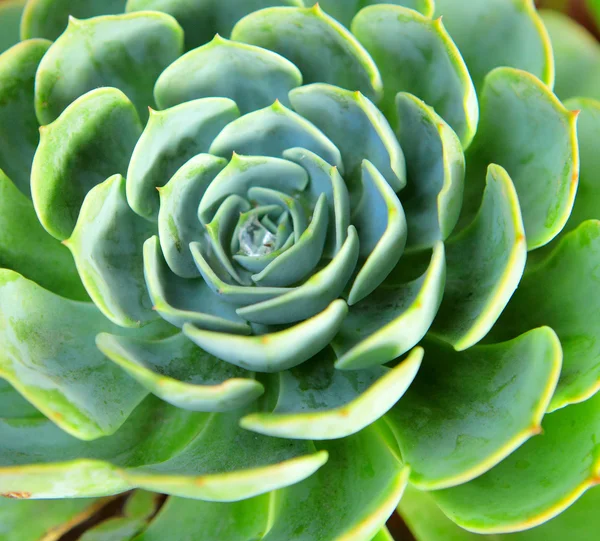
577,57
356,127
202,19
251,76
313,295
245,172
269,132
92,140
28,249
178,223
170,139
129,52
392,319
160,448
48,18
107,247
181,373
492,33
571,310
181,519
321,507
535,483
587,200
381,224
318,402
181,300
277,350
19,133
43,520
325,179
427,522
324,51
344,10
467,411
49,356
526,130
432,68
10,15
435,170
485,263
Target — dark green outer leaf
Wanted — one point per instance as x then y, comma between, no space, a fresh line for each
28,249
48,18
19,128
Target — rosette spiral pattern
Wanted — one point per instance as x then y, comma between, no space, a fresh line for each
280,260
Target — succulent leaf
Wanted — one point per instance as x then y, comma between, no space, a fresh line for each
181,518
19,130
494,245
54,516
318,402
182,374
577,57
25,247
245,172
295,511
303,509
130,51
251,76
435,171
526,130
325,179
178,223
274,351
492,33
325,51
49,355
92,140
344,10
182,455
391,320
10,15
381,225
456,434
427,522
196,124
357,128
271,131
535,483
432,68
588,133
573,263
107,247
202,19
48,18
181,300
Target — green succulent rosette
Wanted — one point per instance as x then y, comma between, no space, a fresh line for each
280,261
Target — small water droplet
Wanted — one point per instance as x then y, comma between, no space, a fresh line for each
255,239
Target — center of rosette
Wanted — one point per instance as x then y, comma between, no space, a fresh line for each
256,237
267,228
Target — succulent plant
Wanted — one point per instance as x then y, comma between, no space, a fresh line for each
280,260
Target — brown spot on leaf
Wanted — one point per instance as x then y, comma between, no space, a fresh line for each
16,495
